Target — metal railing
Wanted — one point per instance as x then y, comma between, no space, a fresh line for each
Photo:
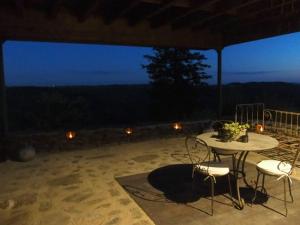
283,125
282,121
252,114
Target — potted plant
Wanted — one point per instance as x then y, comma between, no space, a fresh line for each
232,131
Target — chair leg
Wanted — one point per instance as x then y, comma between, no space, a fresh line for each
284,189
212,194
290,190
263,183
216,156
256,185
193,171
230,191
219,158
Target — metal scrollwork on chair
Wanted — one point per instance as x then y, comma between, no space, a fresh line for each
280,169
200,155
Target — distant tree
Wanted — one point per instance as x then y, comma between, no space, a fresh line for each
176,75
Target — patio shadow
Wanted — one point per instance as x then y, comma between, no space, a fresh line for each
177,185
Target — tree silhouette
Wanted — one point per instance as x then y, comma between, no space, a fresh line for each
176,76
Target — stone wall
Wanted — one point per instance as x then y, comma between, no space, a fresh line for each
84,139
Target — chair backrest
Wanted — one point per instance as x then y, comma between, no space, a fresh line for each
197,149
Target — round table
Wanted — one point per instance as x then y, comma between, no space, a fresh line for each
256,142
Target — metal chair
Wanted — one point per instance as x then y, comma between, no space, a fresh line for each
281,170
200,156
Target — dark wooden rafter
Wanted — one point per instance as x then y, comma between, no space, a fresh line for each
20,5
243,18
195,7
266,27
131,6
165,6
237,20
226,9
54,7
279,19
90,9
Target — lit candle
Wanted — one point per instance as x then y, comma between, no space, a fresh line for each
259,128
177,126
70,135
128,131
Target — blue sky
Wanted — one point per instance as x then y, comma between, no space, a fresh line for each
48,64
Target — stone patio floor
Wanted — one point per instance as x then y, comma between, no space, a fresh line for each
79,187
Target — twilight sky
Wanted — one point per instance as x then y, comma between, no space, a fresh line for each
48,64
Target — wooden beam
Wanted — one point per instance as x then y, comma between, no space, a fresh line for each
219,84
247,16
124,12
265,30
54,8
20,5
129,8
154,24
3,105
166,5
276,19
66,28
193,9
91,8
228,8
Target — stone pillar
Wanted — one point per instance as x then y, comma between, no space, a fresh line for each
219,84
3,106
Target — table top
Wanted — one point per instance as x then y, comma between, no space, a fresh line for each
257,142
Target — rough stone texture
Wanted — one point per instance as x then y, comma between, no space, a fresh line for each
85,139
144,158
22,218
61,196
113,221
66,180
25,199
78,197
45,206
56,218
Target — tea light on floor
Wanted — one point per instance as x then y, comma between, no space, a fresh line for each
259,128
177,126
70,135
129,131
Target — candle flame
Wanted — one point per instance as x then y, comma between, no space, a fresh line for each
259,128
70,135
128,131
177,126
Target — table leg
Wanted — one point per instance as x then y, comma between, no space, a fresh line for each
239,168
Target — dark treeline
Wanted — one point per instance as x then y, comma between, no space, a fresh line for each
77,107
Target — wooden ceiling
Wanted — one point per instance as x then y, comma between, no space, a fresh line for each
198,24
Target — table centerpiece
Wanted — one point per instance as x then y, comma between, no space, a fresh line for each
233,132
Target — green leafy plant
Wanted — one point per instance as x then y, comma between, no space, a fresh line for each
231,131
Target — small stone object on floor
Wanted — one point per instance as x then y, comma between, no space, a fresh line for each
26,154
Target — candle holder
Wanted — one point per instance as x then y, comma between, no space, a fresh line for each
259,128
128,131
70,135
177,126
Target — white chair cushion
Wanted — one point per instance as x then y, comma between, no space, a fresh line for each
213,168
274,167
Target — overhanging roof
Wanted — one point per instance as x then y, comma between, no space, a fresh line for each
198,24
